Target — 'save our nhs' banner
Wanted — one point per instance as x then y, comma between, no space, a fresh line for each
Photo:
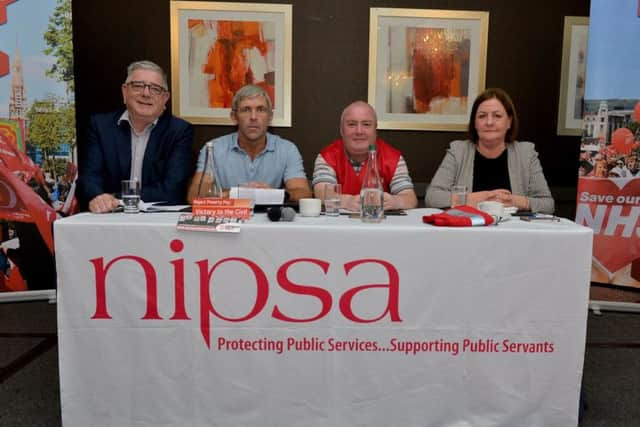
608,199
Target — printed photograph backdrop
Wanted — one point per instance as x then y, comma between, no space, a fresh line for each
608,197
37,137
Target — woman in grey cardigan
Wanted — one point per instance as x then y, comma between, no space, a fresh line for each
492,165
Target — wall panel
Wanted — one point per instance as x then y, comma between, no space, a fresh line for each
330,69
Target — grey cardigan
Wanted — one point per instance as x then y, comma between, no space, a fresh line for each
525,175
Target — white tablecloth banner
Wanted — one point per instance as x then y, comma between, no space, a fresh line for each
320,322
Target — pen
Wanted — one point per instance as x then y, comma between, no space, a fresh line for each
538,217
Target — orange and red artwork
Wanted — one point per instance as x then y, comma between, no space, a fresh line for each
426,66
437,71
226,55
440,69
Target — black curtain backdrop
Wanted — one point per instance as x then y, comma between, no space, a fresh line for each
330,69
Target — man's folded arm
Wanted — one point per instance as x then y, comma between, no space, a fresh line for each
90,183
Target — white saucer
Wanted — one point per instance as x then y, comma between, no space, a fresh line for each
510,210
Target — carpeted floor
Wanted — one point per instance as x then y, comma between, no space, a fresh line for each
611,378
30,396
29,390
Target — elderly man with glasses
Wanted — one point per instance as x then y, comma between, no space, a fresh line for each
141,142
251,156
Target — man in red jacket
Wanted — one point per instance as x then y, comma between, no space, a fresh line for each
344,161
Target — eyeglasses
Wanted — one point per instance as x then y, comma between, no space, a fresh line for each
138,87
257,110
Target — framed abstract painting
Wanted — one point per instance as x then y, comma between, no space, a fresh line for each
426,66
217,47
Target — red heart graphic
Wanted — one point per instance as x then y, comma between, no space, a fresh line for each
611,248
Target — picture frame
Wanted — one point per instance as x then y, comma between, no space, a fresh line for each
572,75
426,66
218,47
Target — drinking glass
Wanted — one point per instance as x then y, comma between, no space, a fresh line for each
458,195
131,196
332,193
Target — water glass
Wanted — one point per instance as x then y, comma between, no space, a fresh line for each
332,193
131,196
458,195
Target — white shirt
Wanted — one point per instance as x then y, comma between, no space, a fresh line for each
138,146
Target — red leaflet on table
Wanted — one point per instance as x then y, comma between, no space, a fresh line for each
222,208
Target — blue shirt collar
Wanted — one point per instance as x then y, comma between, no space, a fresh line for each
269,147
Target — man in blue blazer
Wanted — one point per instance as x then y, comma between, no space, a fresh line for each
141,142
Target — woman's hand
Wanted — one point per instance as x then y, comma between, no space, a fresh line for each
508,199
520,202
482,196
500,195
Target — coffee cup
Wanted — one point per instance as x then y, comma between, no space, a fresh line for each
310,207
495,209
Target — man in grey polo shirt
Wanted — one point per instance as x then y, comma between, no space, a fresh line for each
252,156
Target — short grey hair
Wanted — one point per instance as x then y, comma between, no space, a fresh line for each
361,103
146,65
250,91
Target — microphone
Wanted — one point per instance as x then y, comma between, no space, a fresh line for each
281,213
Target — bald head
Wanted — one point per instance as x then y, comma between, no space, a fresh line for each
358,124
359,105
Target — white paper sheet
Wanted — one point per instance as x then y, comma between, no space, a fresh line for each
261,196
